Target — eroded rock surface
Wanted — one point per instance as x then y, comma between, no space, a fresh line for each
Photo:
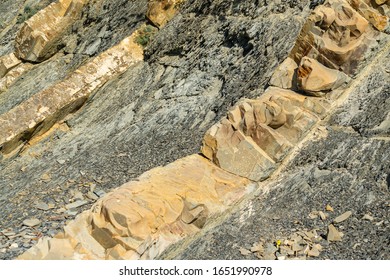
142,218
41,36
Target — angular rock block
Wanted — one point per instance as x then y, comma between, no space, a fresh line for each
8,62
376,12
336,35
316,79
285,75
257,134
161,11
41,35
142,218
38,114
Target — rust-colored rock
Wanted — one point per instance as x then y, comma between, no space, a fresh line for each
257,134
142,218
161,11
40,36
39,113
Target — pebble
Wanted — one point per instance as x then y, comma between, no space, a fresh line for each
99,193
368,217
244,252
329,208
72,212
76,204
342,217
61,161
14,246
31,222
333,234
42,206
92,196
3,250
322,215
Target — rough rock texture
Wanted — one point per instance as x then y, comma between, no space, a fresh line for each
161,11
345,165
38,114
142,218
210,55
41,36
258,134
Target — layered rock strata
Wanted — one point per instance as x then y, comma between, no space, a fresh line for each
41,36
39,113
142,218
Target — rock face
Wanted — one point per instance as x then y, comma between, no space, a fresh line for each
38,114
7,63
188,75
162,11
142,218
258,134
40,36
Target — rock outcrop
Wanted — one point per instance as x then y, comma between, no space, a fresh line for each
146,217
142,218
41,36
162,11
38,114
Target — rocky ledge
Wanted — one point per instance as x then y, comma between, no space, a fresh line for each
255,164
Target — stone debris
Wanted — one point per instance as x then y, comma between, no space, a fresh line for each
333,234
43,206
342,217
368,217
14,246
99,193
76,204
32,222
244,252
299,245
322,215
329,208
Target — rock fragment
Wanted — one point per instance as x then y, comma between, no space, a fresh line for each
342,217
76,204
32,222
333,234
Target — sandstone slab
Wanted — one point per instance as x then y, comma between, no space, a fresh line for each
39,113
8,62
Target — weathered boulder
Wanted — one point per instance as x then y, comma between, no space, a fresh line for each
41,35
161,11
317,79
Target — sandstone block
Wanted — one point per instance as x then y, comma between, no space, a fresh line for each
38,114
40,36
366,9
336,35
317,79
257,134
284,75
161,11
8,62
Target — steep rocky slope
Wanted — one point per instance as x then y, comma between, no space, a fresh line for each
207,57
